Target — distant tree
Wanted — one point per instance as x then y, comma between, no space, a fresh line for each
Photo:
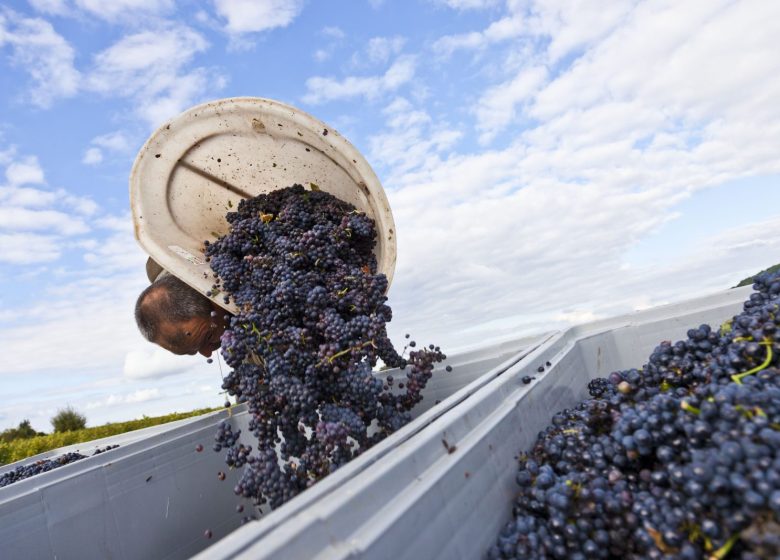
23,431
751,279
68,419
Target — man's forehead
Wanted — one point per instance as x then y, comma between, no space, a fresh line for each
180,331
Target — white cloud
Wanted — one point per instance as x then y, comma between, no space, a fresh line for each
567,24
335,36
571,25
51,7
596,155
81,204
116,141
25,172
7,155
36,225
468,4
156,362
509,27
381,49
43,53
179,95
150,68
143,57
114,11
323,89
251,16
138,396
118,9
92,156
333,32
28,248
143,395
27,197
23,219
412,139
496,107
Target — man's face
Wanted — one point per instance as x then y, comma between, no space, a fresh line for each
193,336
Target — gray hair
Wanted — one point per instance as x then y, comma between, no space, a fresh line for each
168,299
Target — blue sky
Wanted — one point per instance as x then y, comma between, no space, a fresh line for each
547,161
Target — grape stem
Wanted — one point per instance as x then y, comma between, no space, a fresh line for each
723,551
738,377
347,351
687,407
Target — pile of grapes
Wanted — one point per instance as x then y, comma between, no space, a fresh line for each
300,267
31,469
678,460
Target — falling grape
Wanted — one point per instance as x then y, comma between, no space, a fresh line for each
311,326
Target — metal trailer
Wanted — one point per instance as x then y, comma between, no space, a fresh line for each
155,496
447,492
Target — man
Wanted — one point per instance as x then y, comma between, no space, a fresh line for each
178,318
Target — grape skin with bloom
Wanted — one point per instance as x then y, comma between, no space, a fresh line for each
679,460
300,267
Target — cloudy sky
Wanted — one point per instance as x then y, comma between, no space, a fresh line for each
548,162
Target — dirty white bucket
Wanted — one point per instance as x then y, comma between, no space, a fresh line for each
198,166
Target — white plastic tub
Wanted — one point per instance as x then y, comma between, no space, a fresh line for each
196,168
446,493
155,495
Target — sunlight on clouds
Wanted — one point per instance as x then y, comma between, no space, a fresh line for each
139,396
80,204
509,27
52,7
112,11
321,89
28,197
92,156
26,209
335,37
497,107
116,141
28,248
23,219
25,172
380,49
412,139
43,53
119,9
250,16
137,59
468,4
156,362
149,67
333,32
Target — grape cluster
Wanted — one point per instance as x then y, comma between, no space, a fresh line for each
44,465
678,460
300,267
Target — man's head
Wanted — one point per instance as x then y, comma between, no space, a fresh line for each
178,318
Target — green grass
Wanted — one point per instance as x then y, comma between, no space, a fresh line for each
748,281
22,448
